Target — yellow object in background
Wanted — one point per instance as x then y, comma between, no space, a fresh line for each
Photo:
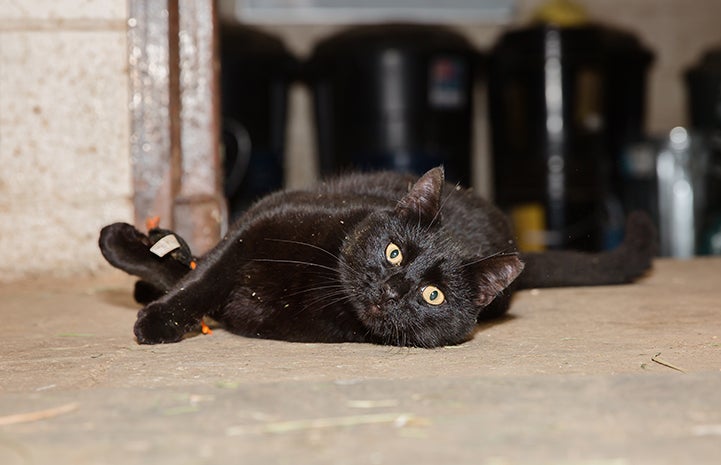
529,223
562,13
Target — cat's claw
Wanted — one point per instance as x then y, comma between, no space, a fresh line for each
154,327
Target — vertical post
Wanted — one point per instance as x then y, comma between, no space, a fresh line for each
175,114
149,106
199,210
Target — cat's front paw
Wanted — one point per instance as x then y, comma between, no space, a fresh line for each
153,326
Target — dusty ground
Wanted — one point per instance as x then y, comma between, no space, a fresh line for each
573,376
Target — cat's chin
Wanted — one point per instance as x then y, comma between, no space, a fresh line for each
372,316
382,328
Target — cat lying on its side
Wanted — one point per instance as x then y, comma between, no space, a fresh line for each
383,258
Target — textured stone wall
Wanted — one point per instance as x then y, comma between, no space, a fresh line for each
64,166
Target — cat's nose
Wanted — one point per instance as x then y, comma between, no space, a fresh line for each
389,293
394,288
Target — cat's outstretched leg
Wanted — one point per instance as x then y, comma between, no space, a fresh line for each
178,312
622,265
200,292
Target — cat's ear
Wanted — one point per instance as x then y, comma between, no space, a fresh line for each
423,201
493,274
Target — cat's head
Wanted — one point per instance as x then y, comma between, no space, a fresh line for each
411,281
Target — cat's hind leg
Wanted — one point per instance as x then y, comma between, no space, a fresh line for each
128,249
144,292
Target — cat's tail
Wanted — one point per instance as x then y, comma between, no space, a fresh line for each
128,249
621,265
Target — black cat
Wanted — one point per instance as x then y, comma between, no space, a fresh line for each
381,258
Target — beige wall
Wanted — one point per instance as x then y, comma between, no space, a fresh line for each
64,157
64,168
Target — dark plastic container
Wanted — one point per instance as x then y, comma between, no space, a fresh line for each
256,70
704,92
703,82
564,104
394,97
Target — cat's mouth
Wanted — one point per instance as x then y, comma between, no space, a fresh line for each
381,318
374,311
372,314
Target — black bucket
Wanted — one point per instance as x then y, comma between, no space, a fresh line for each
564,104
256,70
397,97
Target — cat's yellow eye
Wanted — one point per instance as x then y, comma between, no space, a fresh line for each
433,295
393,254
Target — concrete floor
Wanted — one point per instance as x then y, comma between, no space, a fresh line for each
573,376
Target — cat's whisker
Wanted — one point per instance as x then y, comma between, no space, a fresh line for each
321,292
324,300
397,336
502,253
409,335
336,286
413,335
293,262
334,301
307,244
443,203
327,294
402,338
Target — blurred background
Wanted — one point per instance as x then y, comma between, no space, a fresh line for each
567,114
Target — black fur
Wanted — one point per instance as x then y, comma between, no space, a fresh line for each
315,266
